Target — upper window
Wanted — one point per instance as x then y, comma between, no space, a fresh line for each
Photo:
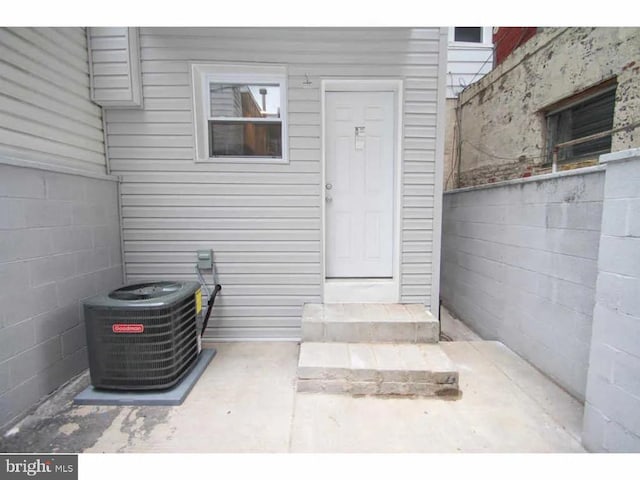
468,34
239,112
592,117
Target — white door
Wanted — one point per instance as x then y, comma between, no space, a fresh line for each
359,184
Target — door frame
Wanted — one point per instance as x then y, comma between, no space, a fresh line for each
364,290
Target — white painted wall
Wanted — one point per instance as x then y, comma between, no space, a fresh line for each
46,113
263,221
519,265
612,404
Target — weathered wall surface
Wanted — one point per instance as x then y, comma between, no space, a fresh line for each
612,409
519,265
449,171
503,128
59,243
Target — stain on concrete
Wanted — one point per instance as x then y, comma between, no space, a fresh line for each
141,421
58,426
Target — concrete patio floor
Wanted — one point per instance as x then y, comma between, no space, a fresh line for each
246,402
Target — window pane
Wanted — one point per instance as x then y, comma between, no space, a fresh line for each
245,139
468,34
246,101
587,118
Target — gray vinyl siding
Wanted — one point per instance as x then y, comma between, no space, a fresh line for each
46,114
466,65
263,221
115,66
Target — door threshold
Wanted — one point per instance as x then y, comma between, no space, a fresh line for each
360,290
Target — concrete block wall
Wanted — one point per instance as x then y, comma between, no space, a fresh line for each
519,265
59,243
612,407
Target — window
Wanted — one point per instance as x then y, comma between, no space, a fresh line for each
580,119
240,113
468,34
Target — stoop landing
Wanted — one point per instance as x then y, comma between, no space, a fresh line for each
368,323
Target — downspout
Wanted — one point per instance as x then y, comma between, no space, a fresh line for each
107,162
118,194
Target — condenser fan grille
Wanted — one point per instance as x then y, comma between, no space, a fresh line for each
145,291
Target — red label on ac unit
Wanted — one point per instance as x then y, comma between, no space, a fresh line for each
127,328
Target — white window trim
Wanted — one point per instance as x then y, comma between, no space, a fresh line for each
487,39
203,73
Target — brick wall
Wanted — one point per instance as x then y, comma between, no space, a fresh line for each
519,265
59,243
612,409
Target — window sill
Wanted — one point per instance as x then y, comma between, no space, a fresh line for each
475,45
244,160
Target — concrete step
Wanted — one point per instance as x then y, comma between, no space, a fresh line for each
368,323
376,369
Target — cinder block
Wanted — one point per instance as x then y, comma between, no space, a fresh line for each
24,244
620,440
601,360
12,213
89,261
633,220
107,279
579,243
71,239
60,186
626,372
34,360
88,214
71,290
581,216
106,235
51,268
47,213
618,292
101,192
73,340
28,303
14,278
51,324
5,382
16,339
614,217
21,182
620,255
616,329
18,400
622,180
593,429
62,371
115,255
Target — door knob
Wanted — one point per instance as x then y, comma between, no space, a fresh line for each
328,186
